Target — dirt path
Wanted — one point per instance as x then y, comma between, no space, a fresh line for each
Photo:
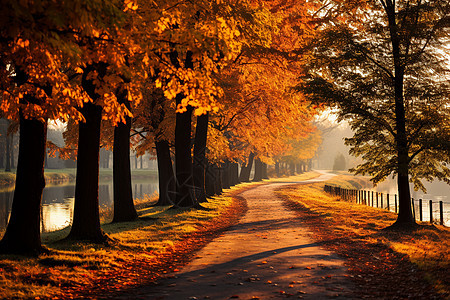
268,255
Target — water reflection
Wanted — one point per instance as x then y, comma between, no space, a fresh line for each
58,203
436,191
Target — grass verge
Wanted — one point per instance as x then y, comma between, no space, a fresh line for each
159,242
384,264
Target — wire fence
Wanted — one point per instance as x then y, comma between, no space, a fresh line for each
423,210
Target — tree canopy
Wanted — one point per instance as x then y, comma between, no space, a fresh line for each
384,64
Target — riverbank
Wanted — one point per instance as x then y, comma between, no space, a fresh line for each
159,242
58,176
384,264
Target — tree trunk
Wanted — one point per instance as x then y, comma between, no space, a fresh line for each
226,175
201,133
183,159
258,170
234,174
292,169
264,171
245,170
166,177
124,209
217,180
277,169
210,181
405,217
86,216
22,235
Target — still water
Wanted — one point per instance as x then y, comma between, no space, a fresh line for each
436,191
58,201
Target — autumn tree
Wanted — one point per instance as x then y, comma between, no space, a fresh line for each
153,131
38,49
195,41
384,65
124,209
259,107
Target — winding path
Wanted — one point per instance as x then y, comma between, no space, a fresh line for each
268,255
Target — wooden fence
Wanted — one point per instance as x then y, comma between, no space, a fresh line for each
423,210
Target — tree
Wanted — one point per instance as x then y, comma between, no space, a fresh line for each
201,134
259,107
36,53
124,209
339,162
195,41
154,128
110,78
383,64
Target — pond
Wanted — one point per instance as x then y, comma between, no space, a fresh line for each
58,201
436,191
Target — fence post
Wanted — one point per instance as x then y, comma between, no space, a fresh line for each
388,204
395,199
413,208
377,200
420,210
431,211
365,197
381,200
441,212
